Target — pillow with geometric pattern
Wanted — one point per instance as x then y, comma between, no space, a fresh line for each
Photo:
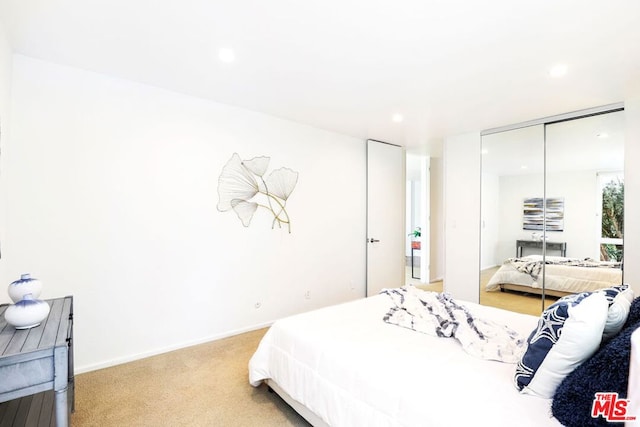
568,333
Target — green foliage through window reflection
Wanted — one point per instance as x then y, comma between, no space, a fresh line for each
612,219
613,210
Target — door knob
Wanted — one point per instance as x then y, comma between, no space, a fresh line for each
372,240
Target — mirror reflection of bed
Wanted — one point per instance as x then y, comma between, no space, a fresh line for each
563,276
557,181
519,302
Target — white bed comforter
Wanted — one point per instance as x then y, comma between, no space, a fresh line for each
352,369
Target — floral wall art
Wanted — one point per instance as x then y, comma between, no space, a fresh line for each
244,187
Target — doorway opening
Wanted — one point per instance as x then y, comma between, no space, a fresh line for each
423,267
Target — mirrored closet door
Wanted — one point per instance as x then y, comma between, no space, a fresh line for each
512,172
552,203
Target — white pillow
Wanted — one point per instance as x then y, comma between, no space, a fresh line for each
568,333
620,298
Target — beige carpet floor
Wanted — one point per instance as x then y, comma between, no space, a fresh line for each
204,385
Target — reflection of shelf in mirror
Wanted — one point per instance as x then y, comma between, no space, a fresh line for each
554,246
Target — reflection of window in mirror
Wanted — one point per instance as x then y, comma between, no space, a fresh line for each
611,188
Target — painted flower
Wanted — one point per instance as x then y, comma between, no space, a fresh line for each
236,182
281,182
242,187
244,210
257,165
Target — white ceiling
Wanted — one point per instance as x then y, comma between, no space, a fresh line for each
447,66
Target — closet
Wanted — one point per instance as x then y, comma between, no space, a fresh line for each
552,197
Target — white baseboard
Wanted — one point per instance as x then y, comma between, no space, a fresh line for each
155,352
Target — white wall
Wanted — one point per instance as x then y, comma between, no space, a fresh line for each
632,189
462,212
425,209
412,213
436,235
112,195
5,96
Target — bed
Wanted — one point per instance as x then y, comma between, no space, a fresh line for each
344,366
563,276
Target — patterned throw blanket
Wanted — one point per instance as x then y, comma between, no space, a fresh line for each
533,267
439,315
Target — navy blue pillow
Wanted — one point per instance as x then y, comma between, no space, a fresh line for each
605,371
634,313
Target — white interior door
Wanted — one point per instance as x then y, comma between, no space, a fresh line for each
385,216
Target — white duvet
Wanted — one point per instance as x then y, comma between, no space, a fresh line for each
350,368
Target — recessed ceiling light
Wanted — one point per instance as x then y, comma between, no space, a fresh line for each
397,118
226,55
524,167
603,135
558,70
